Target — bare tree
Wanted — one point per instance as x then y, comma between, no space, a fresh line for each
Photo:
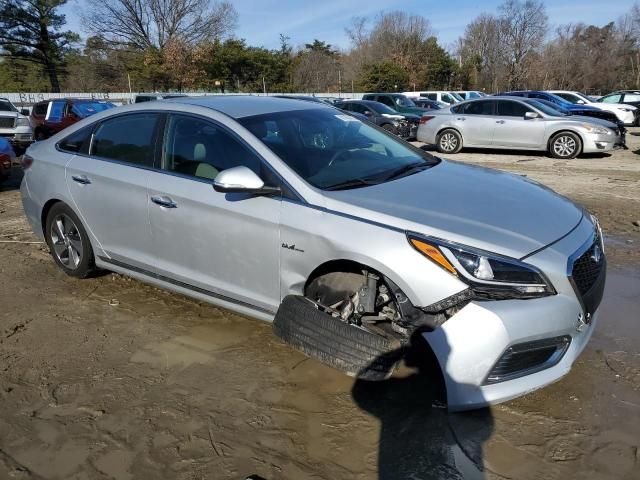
147,24
481,45
523,26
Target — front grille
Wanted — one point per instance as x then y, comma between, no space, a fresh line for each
7,122
527,358
587,268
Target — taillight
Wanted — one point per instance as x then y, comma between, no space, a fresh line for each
5,161
426,118
26,162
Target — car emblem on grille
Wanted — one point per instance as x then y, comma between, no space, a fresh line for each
596,256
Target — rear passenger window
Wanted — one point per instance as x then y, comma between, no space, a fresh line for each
481,107
128,138
201,149
77,142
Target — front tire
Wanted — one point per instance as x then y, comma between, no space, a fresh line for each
68,242
449,141
565,145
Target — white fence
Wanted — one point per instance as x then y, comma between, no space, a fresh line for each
24,99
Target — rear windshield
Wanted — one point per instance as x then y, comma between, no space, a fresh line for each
84,109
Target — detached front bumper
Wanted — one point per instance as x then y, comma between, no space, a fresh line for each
480,347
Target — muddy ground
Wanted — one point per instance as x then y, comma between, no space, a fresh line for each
111,378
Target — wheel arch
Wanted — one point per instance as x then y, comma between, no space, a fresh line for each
46,208
442,129
566,130
435,366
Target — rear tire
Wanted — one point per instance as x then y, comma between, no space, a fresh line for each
449,141
355,351
565,145
68,242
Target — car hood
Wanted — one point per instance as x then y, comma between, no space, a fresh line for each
486,209
583,119
575,107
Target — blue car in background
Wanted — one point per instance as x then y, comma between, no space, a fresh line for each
7,155
573,108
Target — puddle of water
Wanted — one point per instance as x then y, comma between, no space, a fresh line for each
619,323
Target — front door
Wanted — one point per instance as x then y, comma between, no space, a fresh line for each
225,245
514,130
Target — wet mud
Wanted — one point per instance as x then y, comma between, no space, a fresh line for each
108,378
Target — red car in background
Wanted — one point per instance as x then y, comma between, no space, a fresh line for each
50,116
6,158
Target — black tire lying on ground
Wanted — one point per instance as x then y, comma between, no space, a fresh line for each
356,352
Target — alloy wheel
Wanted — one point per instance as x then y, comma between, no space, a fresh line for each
448,142
66,241
564,146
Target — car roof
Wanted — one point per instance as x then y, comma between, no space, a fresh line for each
239,106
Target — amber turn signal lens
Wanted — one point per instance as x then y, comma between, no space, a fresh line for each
434,254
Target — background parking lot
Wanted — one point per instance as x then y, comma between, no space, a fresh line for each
111,378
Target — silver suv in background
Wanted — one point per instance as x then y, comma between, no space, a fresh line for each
14,125
517,123
351,240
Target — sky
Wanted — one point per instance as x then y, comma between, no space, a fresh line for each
261,22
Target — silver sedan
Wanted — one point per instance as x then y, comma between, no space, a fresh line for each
523,124
353,242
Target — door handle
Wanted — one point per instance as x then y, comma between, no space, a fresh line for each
163,201
500,121
461,118
81,179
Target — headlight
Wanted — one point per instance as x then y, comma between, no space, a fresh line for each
597,130
489,275
22,122
626,110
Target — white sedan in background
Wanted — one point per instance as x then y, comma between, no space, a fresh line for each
627,114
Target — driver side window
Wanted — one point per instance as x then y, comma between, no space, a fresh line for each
201,149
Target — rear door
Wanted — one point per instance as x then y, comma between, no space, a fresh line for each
225,245
477,121
109,186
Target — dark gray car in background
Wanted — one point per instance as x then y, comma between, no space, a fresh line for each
404,125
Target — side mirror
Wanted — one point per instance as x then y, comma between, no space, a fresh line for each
24,111
241,180
530,115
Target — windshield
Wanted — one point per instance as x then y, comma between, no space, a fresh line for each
547,108
7,106
84,109
404,102
381,108
332,150
458,97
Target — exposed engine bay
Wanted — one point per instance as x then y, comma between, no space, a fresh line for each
372,302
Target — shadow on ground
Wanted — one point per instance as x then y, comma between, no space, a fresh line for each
419,438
